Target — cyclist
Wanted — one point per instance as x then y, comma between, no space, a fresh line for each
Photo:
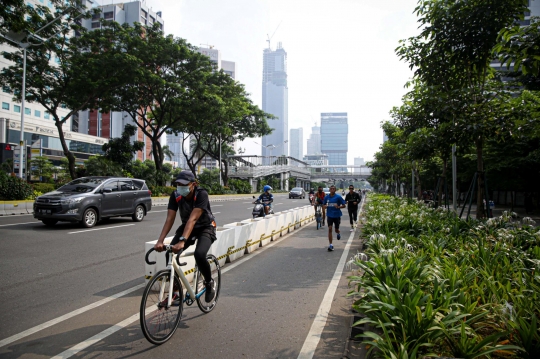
334,202
353,199
319,200
198,222
266,199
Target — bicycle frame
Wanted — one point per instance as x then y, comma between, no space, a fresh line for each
173,267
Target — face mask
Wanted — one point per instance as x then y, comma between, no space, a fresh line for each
183,190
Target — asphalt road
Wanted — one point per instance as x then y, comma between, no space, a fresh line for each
266,306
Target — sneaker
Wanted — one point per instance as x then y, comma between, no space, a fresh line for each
330,248
352,229
322,225
338,236
355,224
210,292
175,302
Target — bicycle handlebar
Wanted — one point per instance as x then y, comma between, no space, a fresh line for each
168,248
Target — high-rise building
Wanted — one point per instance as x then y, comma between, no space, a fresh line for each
297,143
384,137
314,141
334,137
275,101
358,161
175,143
110,125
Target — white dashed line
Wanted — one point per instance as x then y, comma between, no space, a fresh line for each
100,229
15,224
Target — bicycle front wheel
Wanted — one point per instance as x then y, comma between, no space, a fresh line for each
204,306
159,320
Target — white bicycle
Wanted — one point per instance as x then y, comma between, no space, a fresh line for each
163,298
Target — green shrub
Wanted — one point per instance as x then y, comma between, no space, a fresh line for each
43,187
35,194
14,188
161,191
240,186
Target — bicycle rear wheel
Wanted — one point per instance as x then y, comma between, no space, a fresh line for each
204,306
158,321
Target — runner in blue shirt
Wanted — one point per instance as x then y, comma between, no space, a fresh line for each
333,202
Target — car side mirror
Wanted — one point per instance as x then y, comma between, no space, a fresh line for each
107,190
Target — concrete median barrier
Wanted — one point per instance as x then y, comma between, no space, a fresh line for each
242,232
280,218
225,239
259,229
15,207
287,220
29,206
270,228
2,211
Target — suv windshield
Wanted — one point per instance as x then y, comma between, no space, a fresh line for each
81,185
297,189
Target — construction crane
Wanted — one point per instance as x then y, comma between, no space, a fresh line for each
270,37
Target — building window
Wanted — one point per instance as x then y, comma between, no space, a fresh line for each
152,20
96,17
37,113
17,108
95,25
49,4
5,106
6,89
46,115
27,111
108,15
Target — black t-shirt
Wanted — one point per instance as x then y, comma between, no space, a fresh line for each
185,207
351,198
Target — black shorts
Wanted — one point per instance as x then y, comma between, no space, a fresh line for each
196,233
333,221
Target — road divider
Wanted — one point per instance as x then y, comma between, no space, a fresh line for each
237,239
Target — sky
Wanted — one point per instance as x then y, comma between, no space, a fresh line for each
340,55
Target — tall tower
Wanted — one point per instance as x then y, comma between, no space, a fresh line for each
334,137
314,141
275,101
297,143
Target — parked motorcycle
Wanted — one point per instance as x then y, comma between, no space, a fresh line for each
258,210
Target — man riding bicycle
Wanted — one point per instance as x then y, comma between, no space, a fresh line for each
319,201
198,222
266,198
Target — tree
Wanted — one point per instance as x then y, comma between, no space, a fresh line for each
41,167
7,165
221,115
67,74
168,77
102,166
121,150
453,52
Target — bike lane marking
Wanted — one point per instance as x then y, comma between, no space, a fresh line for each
100,229
316,330
135,317
52,322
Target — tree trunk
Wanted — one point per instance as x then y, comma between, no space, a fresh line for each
480,213
225,173
158,159
70,157
418,183
443,180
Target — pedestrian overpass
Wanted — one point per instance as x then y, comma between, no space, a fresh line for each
254,168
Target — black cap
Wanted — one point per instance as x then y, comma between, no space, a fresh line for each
185,177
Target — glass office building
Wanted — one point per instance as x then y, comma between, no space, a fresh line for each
334,138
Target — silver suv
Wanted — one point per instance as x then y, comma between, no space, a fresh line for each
89,199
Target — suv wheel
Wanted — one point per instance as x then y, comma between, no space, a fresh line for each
138,215
90,218
49,222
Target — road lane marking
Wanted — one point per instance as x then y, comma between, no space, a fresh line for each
165,210
277,204
135,317
14,224
314,335
99,229
216,212
69,315
217,205
16,215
